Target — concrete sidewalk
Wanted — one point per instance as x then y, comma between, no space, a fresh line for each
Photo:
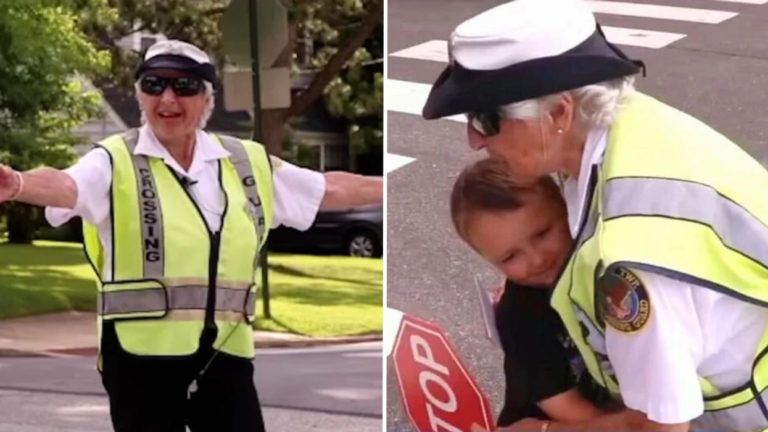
74,334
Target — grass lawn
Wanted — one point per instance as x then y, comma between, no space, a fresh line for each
310,295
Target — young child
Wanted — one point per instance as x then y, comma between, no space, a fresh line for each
523,231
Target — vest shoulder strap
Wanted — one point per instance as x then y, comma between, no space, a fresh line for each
253,167
125,141
119,147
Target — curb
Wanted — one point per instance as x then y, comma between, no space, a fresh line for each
11,353
316,342
280,342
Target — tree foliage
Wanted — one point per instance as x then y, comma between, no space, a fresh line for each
350,31
357,95
193,21
44,53
44,57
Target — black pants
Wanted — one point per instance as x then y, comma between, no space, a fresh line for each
151,395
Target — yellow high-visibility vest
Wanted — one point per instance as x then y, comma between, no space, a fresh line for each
169,272
675,197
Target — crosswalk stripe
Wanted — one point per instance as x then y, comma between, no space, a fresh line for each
640,38
434,50
676,13
437,50
395,161
409,98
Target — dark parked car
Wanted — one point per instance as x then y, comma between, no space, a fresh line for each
354,232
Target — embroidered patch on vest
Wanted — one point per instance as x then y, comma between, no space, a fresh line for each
626,304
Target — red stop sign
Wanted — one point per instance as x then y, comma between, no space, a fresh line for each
438,393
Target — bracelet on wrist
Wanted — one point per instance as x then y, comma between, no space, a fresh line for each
21,186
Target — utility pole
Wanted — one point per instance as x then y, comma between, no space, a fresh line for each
258,136
255,34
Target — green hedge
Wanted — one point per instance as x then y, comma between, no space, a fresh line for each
69,232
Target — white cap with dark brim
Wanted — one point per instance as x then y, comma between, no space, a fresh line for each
523,50
178,55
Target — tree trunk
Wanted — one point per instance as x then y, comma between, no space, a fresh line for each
306,98
273,120
21,223
273,130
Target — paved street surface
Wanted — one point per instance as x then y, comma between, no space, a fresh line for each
45,412
706,57
320,389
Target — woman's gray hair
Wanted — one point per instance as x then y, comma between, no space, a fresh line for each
596,105
209,93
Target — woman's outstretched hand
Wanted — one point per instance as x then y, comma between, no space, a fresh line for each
9,183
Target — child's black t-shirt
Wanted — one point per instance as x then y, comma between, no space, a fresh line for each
540,360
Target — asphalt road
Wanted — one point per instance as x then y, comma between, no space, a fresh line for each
718,72
46,412
322,389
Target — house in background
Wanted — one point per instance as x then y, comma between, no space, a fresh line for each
324,134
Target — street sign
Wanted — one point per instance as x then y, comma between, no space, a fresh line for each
238,88
272,23
438,392
271,30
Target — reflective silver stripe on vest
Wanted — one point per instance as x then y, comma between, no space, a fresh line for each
244,169
737,228
747,417
150,210
186,297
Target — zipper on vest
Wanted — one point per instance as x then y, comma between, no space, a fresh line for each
213,269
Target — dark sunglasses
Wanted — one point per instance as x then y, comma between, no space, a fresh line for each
488,124
181,86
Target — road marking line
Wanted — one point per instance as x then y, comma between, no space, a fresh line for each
363,354
437,50
395,161
392,320
342,348
409,98
434,50
640,38
677,13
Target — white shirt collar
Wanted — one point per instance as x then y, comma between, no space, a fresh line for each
575,191
206,149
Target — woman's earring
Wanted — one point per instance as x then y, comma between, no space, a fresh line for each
559,131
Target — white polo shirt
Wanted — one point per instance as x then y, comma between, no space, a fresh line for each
297,191
693,331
